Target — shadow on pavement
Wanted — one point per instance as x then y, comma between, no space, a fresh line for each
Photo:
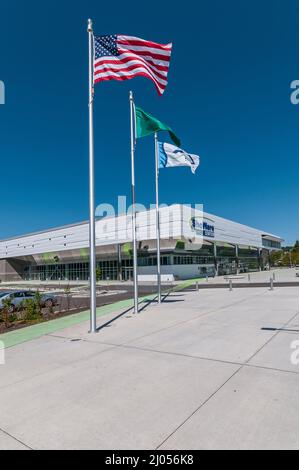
144,304
279,329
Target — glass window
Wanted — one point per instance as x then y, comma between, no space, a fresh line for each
29,294
17,295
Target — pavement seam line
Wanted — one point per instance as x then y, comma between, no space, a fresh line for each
236,372
197,409
272,337
178,323
171,353
274,369
68,365
226,382
127,344
15,439
209,312
210,359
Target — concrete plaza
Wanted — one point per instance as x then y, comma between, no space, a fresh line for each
205,370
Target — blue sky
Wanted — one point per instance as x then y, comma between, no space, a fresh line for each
227,98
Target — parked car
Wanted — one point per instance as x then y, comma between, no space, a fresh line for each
18,297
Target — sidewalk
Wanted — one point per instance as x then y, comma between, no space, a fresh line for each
208,369
279,274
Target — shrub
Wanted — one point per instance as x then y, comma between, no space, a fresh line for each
6,311
38,301
32,310
98,274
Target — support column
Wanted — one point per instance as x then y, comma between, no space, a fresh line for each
237,259
260,251
119,266
215,258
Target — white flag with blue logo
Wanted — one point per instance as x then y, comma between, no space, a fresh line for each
170,156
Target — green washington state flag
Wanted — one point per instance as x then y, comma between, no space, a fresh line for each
147,124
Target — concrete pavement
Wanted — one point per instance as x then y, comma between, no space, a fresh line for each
205,370
284,275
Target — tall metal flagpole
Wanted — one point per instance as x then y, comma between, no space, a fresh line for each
158,219
135,264
92,237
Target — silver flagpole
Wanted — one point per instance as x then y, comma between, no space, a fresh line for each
158,218
92,248
135,264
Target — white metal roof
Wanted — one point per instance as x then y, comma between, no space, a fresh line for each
175,223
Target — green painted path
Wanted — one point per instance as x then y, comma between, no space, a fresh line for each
29,333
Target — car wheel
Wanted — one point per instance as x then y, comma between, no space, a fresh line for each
49,303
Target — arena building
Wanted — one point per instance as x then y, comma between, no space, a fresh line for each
193,244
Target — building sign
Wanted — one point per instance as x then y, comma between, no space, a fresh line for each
203,227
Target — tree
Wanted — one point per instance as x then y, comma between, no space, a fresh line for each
287,259
67,292
295,253
276,258
38,301
288,256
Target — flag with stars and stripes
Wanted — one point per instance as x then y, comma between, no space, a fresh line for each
119,57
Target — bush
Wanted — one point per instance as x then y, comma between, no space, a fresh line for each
32,310
98,274
5,312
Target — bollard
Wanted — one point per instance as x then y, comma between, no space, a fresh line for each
197,286
273,276
207,278
271,283
248,277
230,285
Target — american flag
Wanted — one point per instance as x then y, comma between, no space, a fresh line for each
119,57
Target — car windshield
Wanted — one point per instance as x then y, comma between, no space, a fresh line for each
2,294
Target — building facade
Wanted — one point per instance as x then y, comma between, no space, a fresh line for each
193,244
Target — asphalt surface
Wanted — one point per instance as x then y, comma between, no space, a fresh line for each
105,296
79,295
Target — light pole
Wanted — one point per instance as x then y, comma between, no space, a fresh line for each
290,255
